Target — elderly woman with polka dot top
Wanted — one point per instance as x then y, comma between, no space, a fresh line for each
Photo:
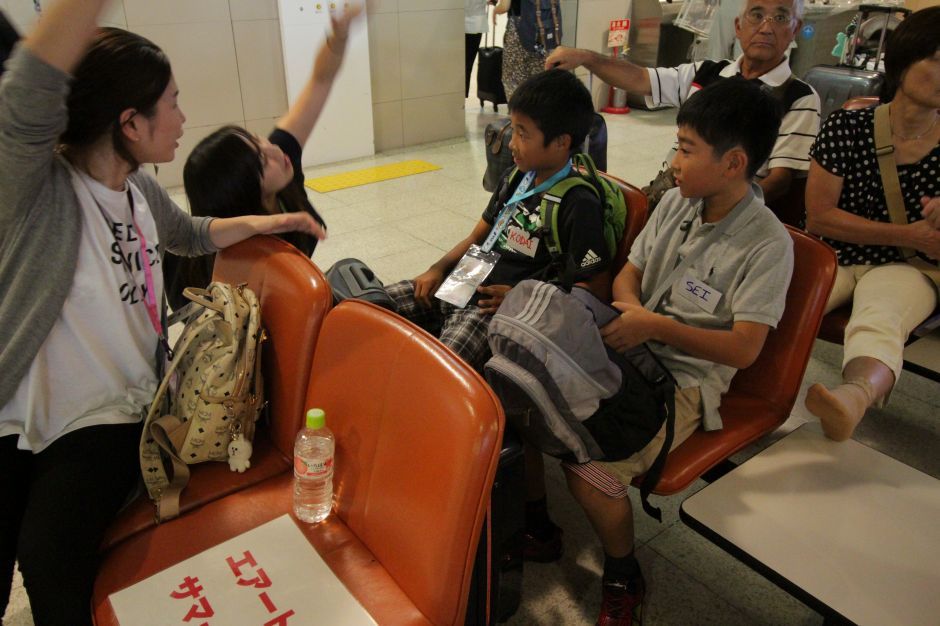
845,204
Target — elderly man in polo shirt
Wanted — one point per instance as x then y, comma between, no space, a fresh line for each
765,29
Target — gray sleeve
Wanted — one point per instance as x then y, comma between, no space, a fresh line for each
639,251
762,295
32,117
180,233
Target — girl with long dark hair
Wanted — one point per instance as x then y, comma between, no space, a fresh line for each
233,172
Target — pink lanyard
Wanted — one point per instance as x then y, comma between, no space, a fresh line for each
150,301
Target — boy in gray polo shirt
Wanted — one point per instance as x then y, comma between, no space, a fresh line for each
712,321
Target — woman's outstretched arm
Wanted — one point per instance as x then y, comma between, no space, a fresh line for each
64,32
303,114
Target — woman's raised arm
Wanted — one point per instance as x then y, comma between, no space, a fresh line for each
64,32
304,113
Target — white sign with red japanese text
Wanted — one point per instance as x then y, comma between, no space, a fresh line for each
268,576
617,35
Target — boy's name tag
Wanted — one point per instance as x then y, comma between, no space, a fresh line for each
469,273
521,242
697,292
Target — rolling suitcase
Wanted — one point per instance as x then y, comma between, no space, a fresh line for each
351,278
490,72
496,583
836,84
857,73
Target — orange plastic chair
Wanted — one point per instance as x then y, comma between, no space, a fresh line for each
294,298
637,212
761,397
418,437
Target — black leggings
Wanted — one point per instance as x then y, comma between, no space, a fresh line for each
56,507
471,47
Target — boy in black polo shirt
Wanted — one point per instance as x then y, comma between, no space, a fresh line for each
551,114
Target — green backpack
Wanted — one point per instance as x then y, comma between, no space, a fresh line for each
615,206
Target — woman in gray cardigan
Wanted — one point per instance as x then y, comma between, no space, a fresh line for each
82,234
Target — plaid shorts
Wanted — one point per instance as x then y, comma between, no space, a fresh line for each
461,330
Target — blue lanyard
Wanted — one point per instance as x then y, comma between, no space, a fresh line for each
522,192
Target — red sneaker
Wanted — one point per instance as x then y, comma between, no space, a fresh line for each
622,602
543,551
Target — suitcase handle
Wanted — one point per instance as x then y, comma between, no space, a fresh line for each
497,145
357,275
492,7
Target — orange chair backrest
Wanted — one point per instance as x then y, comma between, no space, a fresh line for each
778,371
294,297
860,102
636,219
418,434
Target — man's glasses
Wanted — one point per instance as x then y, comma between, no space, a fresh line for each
755,18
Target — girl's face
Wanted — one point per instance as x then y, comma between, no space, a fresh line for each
157,137
277,170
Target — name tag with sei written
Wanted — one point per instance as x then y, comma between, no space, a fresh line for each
697,292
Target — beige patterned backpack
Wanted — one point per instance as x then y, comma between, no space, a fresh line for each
210,396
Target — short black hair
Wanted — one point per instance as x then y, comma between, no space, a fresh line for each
916,38
734,112
558,103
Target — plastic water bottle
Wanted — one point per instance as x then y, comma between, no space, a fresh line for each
313,469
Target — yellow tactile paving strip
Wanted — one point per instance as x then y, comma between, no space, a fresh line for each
369,175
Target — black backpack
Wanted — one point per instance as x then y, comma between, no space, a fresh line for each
540,25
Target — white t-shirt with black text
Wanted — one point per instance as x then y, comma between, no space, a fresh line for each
97,364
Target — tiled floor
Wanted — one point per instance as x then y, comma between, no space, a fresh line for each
401,226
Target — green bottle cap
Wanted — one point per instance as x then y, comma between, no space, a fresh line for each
316,418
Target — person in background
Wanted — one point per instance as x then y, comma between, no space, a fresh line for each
474,25
722,43
233,172
765,29
846,205
82,235
519,64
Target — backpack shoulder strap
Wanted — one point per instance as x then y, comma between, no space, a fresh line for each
548,208
884,150
507,183
887,166
156,479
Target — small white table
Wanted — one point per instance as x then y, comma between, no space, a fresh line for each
922,356
844,528
267,575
